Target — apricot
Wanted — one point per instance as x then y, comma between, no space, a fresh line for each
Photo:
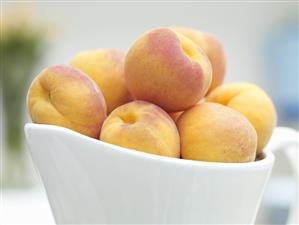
64,96
214,49
167,69
216,133
142,126
253,103
106,68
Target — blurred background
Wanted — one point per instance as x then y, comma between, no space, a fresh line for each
261,41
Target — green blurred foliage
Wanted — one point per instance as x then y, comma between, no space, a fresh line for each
21,48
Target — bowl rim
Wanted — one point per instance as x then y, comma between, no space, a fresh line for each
267,161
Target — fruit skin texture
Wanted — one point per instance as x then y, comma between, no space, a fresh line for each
214,49
253,103
106,68
64,96
167,69
144,127
175,115
215,133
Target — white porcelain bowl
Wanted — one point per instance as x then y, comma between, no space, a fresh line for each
89,181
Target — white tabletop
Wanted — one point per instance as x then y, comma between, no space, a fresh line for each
29,206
